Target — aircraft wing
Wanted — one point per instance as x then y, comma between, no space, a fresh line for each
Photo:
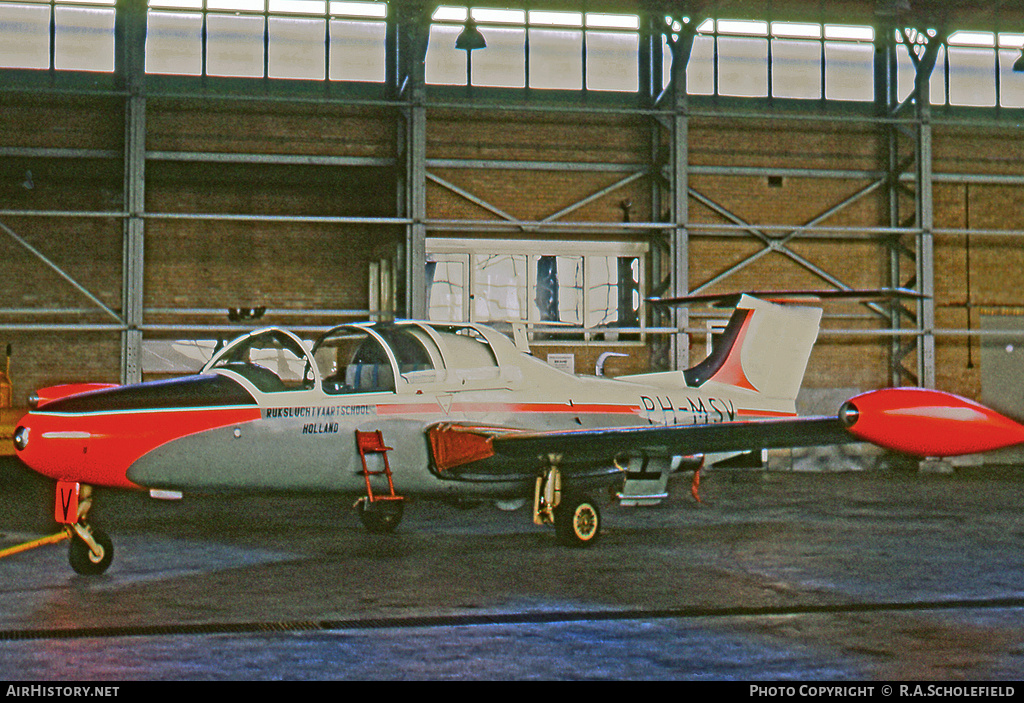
915,421
679,440
478,453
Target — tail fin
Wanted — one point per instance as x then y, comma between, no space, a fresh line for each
764,349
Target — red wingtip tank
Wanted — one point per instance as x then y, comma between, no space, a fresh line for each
928,423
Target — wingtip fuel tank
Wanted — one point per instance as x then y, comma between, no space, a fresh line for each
928,423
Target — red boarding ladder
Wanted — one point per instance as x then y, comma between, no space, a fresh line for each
373,443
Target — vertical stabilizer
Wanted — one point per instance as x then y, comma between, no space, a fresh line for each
764,349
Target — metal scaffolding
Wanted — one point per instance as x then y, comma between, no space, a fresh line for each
906,176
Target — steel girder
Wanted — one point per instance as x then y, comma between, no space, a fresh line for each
907,134
906,168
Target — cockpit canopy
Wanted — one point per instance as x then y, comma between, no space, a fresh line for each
272,359
365,358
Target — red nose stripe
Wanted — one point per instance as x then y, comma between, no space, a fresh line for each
926,422
99,448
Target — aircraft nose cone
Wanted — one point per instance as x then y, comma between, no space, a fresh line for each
21,433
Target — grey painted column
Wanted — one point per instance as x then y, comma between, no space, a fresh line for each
416,231
918,130
132,16
681,44
414,31
680,232
925,211
925,240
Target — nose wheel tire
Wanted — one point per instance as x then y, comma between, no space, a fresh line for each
577,521
82,558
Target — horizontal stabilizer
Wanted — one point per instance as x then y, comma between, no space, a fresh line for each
729,300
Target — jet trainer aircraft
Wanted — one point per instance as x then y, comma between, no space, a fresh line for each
459,412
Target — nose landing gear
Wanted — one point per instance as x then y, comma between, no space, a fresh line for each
90,551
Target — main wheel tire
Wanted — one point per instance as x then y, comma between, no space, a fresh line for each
84,562
577,521
381,516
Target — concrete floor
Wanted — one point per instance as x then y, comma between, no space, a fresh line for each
868,575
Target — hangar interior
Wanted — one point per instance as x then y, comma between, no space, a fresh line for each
173,172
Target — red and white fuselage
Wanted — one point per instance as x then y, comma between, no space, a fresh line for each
270,412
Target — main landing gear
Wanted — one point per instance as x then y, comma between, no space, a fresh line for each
576,517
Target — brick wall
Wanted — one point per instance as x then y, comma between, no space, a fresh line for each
212,263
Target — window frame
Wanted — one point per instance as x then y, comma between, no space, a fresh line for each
280,19
69,46
463,250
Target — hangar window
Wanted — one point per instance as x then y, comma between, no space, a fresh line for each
972,68
905,71
751,58
66,35
849,62
345,40
297,39
971,57
742,58
796,60
536,49
1011,83
545,283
